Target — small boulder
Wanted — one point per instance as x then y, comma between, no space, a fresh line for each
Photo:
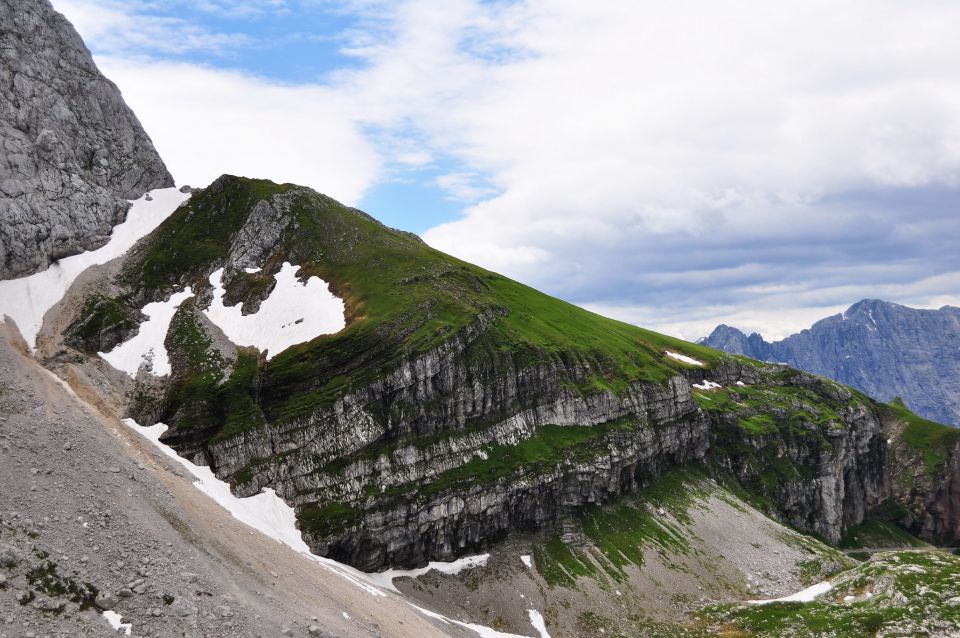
8,556
106,601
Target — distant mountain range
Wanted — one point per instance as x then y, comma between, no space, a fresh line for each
882,348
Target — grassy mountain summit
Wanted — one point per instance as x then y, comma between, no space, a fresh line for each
402,297
458,406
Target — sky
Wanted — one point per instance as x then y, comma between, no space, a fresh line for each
676,165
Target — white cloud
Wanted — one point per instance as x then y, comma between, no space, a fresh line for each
126,28
683,160
207,122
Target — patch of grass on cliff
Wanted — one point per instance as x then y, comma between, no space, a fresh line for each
932,441
550,446
879,534
200,398
328,519
100,314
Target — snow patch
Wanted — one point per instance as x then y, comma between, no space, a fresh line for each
114,619
147,346
741,384
684,358
805,596
480,630
526,560
385,578
538,623
346,615
707,385
27,299
295,312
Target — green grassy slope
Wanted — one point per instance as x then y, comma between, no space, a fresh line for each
402,298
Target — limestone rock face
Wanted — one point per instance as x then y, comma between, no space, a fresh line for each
884,349
72,151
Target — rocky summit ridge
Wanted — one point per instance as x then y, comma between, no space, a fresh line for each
884,349
73,152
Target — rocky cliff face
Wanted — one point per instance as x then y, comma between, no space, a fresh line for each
881,348
73,152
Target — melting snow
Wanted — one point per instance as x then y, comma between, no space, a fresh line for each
265,512
480,630
527,561
27,299
538,623
385,578
706,385
147,345
684,358
114,619
294,312
805,596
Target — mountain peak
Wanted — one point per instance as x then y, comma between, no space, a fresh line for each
882,348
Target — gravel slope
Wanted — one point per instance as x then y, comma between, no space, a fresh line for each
83,500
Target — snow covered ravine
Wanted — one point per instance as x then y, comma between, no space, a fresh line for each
294,313
270,515
27,299
147,344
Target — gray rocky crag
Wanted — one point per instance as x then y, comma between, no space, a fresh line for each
73,152
882,348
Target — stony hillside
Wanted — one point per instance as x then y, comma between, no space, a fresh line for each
884,349
458,407
73,152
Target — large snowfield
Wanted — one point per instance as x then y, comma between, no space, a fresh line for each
295,312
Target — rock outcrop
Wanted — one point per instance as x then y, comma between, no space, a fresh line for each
73,152
884,349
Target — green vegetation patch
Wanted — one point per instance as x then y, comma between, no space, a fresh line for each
549,447
932,441
329,519
879,534
202,396
45,579
893,594
561,564
101,315
618,535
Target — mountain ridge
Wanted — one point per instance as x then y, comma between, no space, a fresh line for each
457,391
882,348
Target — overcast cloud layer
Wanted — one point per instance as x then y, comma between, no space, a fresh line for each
672,164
